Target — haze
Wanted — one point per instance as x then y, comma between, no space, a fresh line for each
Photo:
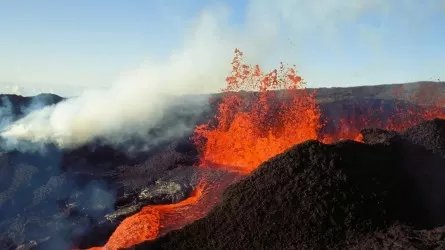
66,47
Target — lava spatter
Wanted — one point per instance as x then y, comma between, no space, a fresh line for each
252,127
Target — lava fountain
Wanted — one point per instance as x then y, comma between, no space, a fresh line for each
251,127
248,129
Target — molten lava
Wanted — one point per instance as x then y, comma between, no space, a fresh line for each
251,127
154,221
150,222
429,101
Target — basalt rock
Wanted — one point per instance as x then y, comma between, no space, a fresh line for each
339,196
402,237
312,196
78,197
430,135
124,212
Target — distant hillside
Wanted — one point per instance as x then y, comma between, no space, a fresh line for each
17,105
382,92
373,92
323,94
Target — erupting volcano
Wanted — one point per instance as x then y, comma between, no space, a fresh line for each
249,128
258,116
103,197
252,127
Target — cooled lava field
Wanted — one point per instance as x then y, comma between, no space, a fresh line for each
363,169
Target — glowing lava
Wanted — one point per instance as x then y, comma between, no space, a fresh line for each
251,128
428,103
154,221
149,223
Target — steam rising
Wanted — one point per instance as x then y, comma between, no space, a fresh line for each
140,98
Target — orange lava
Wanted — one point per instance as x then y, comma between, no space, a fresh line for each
154,221
430,100
250,127
134,229
148,224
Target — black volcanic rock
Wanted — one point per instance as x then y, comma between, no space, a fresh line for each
23,174
56,186
70,195
430,135
312,196
169,190
124,212
174,155
6,172
317,196
13,107
402,237
379,136
423,172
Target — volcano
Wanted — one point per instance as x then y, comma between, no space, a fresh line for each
271,164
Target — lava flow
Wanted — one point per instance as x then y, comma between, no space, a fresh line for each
251,127
154,220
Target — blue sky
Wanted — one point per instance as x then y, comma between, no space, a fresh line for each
88,43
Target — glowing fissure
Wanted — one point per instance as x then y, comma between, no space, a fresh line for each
250,128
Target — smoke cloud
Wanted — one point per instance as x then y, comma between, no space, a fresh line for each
143,97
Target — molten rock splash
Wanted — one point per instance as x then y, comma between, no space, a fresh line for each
251,130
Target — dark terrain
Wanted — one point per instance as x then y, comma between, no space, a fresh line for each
345,195
385,193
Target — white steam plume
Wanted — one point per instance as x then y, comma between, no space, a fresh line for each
140,98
